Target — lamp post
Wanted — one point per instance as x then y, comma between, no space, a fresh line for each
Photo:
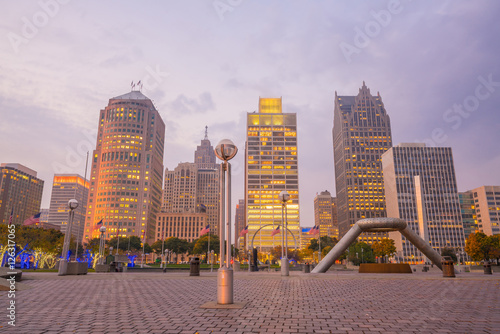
101,244
63,263
249,255
362,259
212,260
284,197
225,150
162,247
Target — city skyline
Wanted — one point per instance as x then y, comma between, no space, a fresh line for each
70,64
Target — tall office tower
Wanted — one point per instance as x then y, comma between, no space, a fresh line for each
361,134
421,188
20,193
191,190
271,167
127,168
204,156
468,210
239,224
179,191
207,196
325,214
487,207
64,188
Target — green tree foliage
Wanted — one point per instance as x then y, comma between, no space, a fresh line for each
147,248
366,255
201,245
326,241
448,251
480,247
92,245
176,245
384,247
48,240
133,242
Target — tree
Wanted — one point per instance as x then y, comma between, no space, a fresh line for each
93,245
133,242
356,255
448,251
325,242
201,245
480,247
384,247
176,245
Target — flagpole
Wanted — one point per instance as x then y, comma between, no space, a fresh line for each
319,243
208,245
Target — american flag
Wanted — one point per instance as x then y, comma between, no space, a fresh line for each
143,235
314,230
11,217
276,231
244,231
32,220
99,224
205,230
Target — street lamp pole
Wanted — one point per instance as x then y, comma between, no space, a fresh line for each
63,263
284,197
101,244
225,150
362,255
163,246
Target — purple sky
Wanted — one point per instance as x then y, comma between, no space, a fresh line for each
207,63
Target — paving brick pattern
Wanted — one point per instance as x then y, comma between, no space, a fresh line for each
301,303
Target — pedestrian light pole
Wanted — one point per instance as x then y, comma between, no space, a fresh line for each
101,244
284,197
225,150
63,263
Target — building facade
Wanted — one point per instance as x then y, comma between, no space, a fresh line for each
467,207
64,188
487,208
421,188
271,166
183,225
204,156
325,214
127,169
191,190
361,134
20,193
239,224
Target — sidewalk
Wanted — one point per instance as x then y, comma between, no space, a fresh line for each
335,302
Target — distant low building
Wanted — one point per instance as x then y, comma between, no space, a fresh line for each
20,193
487,208
64,188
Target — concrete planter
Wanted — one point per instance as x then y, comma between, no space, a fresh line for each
102,268
77,268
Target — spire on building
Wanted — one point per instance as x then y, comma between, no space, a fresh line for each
206,132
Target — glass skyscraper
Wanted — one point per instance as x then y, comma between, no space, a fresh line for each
271,166
361,134
127,168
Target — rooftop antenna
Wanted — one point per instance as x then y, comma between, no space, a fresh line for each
206,132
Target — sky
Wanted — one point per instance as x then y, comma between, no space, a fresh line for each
206,63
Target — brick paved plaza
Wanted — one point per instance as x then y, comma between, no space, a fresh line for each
335,302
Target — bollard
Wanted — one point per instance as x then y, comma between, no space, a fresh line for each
448,268
307,268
